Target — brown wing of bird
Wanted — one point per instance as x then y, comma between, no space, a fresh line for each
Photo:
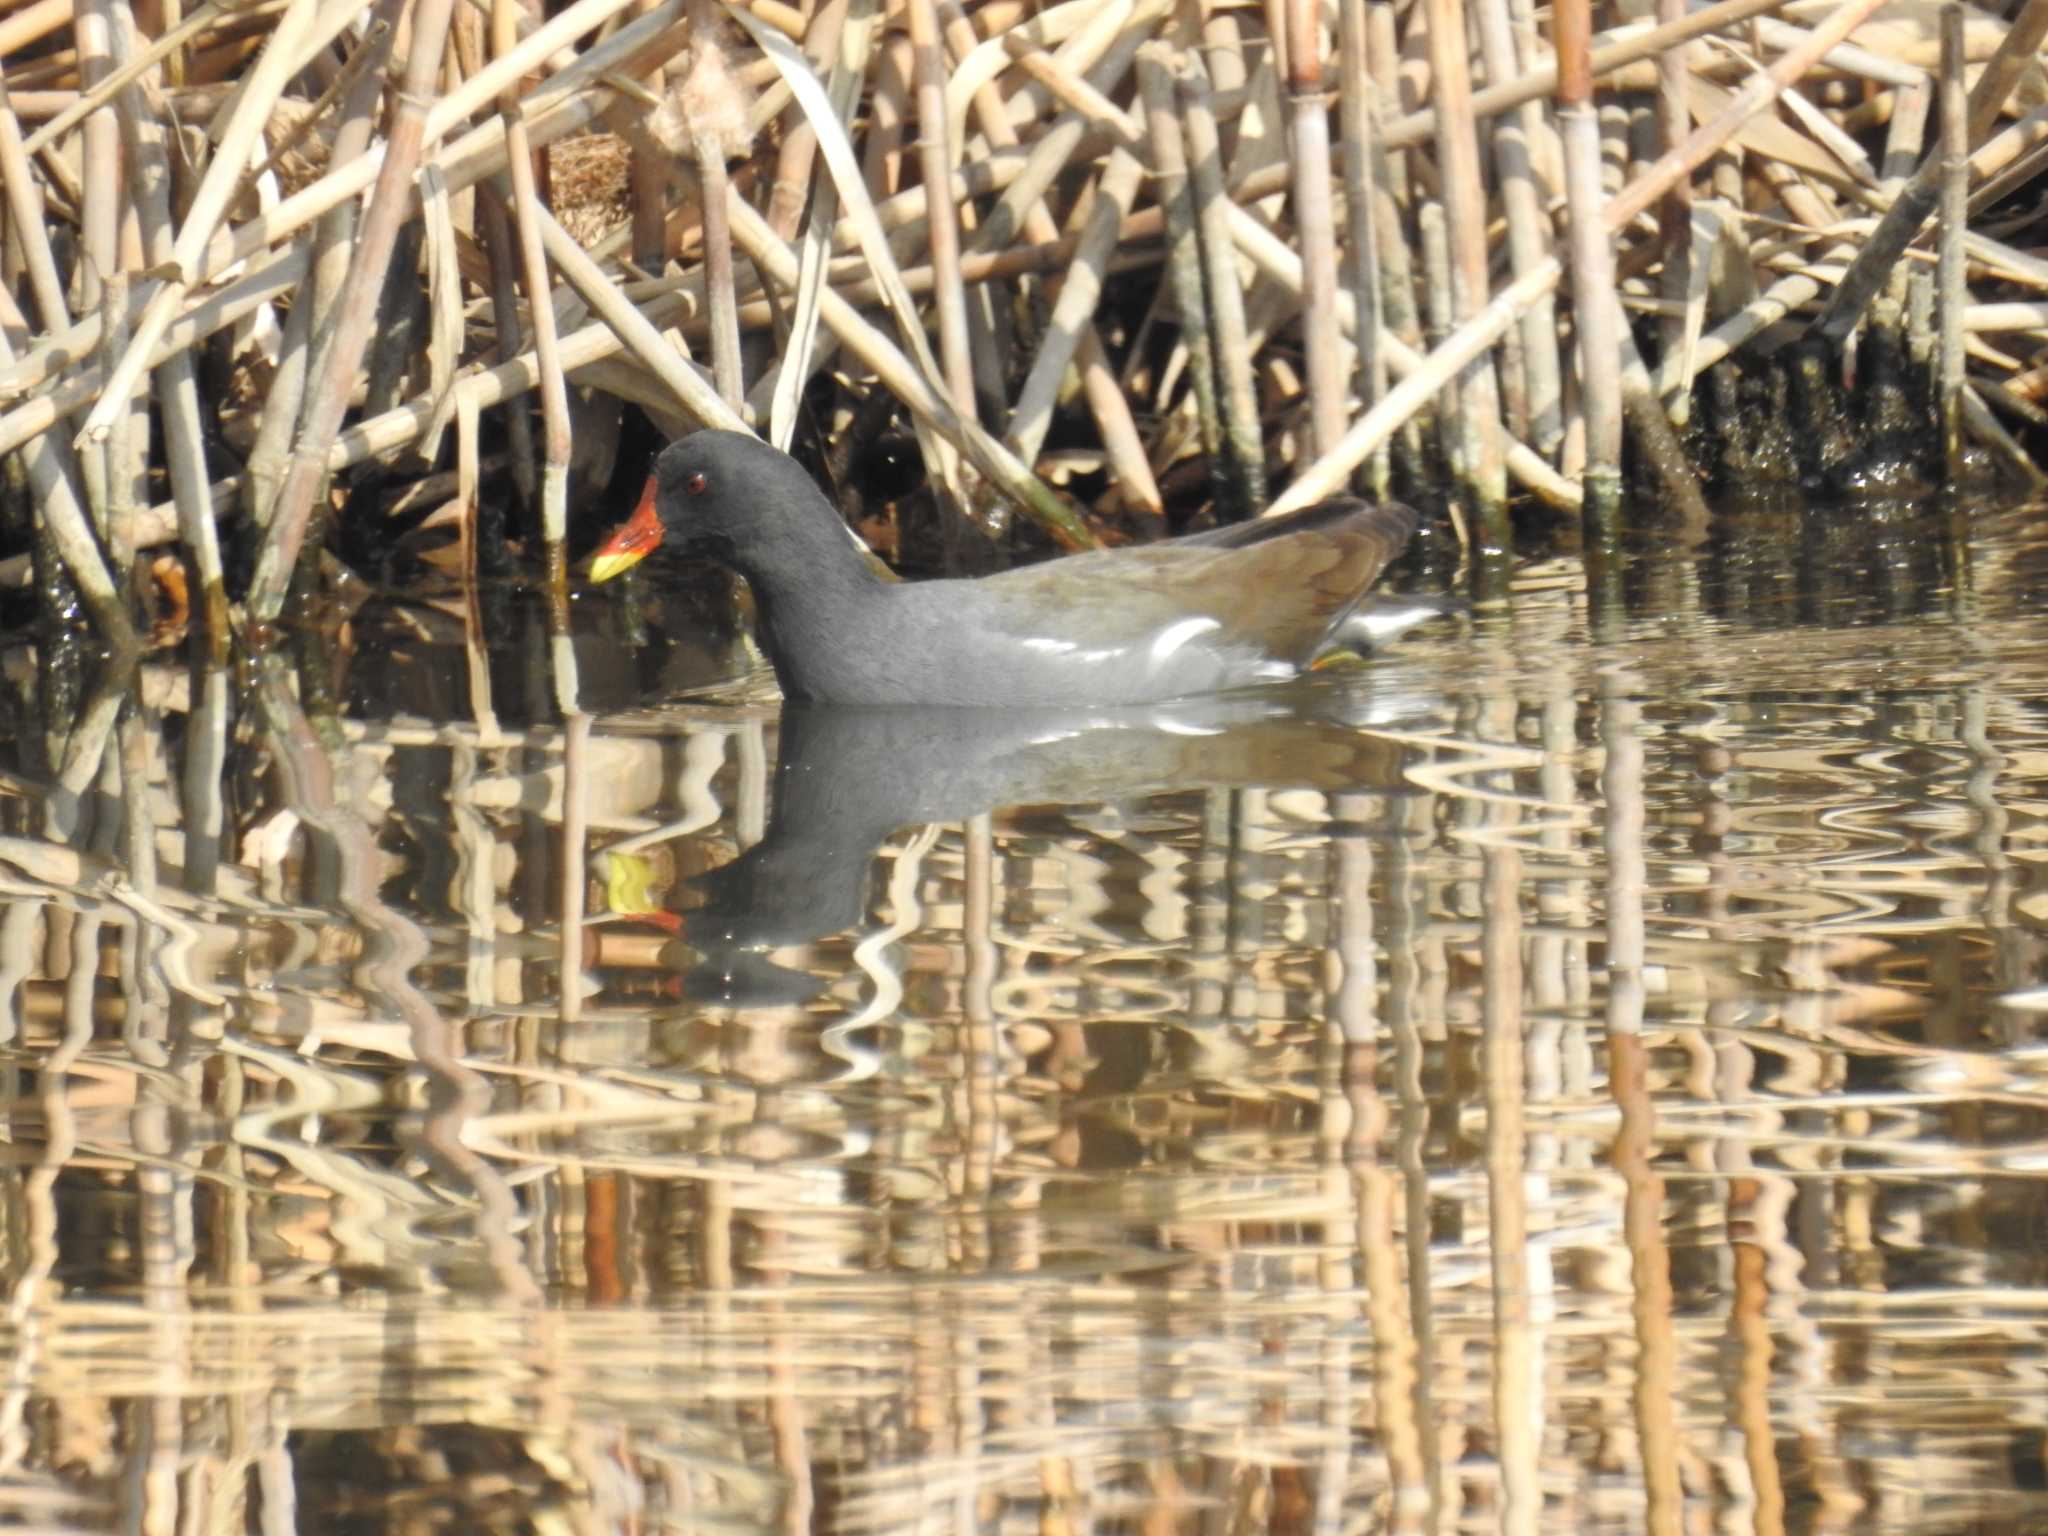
1279,588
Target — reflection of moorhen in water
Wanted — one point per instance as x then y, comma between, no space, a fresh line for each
847,779
1251,603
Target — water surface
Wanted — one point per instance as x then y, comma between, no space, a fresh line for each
1582,1071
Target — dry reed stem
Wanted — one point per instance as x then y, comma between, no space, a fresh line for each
106,466
912,386
446,322
1244,446
1022,205
176,381
1541,80
699,399
52,483
797,155
1849,58
25,207
1529,229
2009,160
1359,124
355,313
942,228
888,115
1909,209
1315,222
1951,296
867,229
1476,424
1079,298
328,265
526,214
1674,213
853,40
1184,259
280,60
1325,476
1273,257
647,179
711,105
1595,314
988,312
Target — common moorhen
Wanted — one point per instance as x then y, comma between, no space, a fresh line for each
1244,604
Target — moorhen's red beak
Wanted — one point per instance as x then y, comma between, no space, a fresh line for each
630,541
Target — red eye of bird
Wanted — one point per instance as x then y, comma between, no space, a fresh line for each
696,483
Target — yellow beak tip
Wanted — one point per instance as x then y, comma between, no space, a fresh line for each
605,567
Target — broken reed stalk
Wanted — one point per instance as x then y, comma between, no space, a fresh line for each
1951,294
1397,268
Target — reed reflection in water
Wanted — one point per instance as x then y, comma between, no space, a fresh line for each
1546,1081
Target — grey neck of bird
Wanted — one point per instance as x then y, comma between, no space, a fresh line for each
817,557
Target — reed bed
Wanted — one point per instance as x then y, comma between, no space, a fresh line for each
1113,265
